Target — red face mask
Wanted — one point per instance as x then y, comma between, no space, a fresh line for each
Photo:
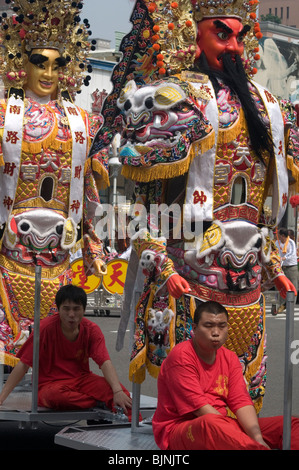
217,36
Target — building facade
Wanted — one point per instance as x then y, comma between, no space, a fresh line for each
286,10
278,67
3,6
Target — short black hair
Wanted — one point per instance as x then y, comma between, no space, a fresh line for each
283,231
71,292
210,307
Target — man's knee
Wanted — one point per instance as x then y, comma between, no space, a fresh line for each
209,424
54,397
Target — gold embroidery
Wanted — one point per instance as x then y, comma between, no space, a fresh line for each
222,383
195,77
242,326
29,271
202,93
189,434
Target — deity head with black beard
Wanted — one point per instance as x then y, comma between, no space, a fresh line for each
219,50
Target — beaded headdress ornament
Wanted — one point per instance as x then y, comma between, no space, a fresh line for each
45,24
175,29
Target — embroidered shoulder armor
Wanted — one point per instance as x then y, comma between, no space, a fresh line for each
164,126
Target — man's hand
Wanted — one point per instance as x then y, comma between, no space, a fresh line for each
248,420
261,441
206,409
121,399
14,378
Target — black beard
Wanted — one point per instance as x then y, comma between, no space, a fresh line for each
234,76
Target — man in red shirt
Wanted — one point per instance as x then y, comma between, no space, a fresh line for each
198,383
67,341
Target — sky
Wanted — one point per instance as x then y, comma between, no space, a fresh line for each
107,16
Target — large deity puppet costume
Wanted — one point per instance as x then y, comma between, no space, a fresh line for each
48,185
200,135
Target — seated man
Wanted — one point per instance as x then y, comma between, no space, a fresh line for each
67,341
198,382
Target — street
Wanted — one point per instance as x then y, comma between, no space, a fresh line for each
273,402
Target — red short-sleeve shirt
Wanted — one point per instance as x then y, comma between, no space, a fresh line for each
60,358
186,383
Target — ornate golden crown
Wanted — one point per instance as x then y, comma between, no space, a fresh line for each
48,25
175,29
237,8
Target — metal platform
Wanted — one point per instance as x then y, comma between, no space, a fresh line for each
108,438
18,407
117,436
